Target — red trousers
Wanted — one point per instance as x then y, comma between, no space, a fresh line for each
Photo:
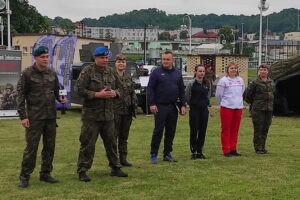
230,124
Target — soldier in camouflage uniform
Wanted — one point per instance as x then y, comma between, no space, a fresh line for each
9,98
141,70
37,90
124,109
260,96
98,85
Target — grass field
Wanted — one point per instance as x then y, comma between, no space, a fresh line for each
272,176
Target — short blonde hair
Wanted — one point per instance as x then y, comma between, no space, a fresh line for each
230,64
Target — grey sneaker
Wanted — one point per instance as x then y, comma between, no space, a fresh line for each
169,157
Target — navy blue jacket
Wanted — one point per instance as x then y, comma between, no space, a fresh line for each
197,94
165,87
199,97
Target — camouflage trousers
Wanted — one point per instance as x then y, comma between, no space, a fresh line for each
38,128
122,124
89,134
261,123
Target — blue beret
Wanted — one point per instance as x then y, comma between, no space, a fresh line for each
140,63
102,51
40,50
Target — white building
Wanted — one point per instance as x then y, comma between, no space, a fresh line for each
177,31
117,33
292,36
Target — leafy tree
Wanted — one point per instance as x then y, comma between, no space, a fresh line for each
64,23
227,46
247,50
183,34
164,36
226,31
26,19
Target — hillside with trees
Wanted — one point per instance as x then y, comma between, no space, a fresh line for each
284,21
26,19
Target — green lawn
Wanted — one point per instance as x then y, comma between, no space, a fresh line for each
271,176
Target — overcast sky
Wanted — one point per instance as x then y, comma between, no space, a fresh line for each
79,9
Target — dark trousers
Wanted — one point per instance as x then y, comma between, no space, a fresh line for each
198,123
38,128
261,123
164,119
88,138
122,124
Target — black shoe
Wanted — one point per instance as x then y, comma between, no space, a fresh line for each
126,163
83,177
201,156
265,151
228,154
235,153
48,178
24,182
118,172
260,152
193,156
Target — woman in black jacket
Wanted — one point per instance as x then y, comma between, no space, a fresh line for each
197,95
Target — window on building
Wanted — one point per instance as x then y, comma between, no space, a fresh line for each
25,50
17,47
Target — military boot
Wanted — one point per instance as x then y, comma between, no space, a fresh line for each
47,178
124,161
118,172
24,182
83,177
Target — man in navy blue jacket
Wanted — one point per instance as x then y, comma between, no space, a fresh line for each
165,88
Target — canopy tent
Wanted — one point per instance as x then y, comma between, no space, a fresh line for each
286,74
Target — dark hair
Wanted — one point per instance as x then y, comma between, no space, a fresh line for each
204,81
263,66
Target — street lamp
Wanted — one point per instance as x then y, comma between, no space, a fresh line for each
233,33
266,51
145,45
242,46
5,4
1,29
263,6
190,31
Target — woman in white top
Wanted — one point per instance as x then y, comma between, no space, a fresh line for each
229,95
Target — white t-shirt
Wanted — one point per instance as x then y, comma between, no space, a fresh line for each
230,91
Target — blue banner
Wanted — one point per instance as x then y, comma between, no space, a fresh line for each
63,55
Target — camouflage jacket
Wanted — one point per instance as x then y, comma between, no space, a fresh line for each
36,93
128,103
260,94
93,79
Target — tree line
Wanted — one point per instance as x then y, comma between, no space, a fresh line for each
26,19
